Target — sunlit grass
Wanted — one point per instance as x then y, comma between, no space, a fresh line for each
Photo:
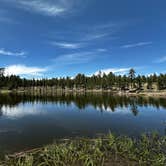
146,150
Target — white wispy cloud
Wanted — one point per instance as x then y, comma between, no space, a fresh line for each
80,41
9,53
23,70
101,49
68,45
119,71
101,31
107,29
95,36
87,34
161,60
75,58
44,7
136,45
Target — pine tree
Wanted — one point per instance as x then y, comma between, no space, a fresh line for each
132,77
2,70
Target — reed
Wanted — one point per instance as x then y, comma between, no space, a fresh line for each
149,149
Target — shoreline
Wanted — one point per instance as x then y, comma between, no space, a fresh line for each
148,149
48,91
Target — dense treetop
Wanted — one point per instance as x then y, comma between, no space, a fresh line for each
100,81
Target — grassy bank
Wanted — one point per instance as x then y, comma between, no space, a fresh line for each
106,151
52,91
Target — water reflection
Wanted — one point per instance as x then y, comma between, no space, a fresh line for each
28,121
20,111
102,102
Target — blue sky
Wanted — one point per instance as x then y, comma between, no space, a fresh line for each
56,38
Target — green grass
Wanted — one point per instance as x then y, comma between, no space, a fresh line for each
109,150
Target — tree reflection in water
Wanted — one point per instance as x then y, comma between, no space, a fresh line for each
102,102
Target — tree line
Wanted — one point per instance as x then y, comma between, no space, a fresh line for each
102,81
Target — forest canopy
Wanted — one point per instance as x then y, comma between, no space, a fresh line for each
80,81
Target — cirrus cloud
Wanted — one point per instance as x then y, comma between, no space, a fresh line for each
136,45
67,45
44,7
75,58
9,53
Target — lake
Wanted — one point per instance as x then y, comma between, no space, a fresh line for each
28,121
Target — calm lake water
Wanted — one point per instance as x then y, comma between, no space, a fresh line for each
31,121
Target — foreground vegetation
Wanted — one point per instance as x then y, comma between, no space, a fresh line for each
129,82
106,151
